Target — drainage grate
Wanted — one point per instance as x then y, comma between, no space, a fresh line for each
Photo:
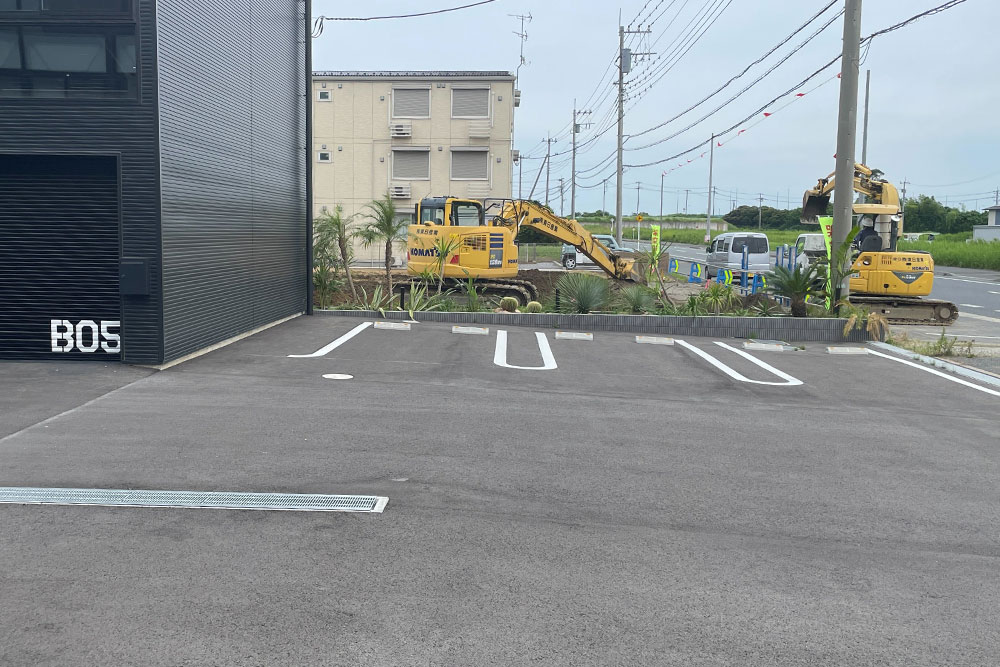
233,500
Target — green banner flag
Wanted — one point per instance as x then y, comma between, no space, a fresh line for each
826,224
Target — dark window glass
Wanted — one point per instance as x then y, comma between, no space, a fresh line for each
62,61
435,215
758,244
74,7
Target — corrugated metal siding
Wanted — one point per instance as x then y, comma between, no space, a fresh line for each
233,186
58,255
127,128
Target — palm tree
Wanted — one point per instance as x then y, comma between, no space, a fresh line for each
383,227
331,238
796,286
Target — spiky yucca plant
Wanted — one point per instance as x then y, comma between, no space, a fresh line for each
636,298
583,292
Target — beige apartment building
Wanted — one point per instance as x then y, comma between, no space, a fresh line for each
413,135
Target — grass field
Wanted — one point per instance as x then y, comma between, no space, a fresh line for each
974,255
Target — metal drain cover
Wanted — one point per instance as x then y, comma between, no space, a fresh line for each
233,500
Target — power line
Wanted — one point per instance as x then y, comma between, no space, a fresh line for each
319,20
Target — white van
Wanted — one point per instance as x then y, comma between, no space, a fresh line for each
809,248
726,252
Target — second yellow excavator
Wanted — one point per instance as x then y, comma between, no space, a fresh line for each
482,247
884,279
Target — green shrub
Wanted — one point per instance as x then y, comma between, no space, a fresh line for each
509,304
533,307
636,298
583,292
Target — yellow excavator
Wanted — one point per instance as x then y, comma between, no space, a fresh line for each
482,247
884,279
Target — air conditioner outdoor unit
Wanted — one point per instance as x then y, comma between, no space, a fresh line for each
515,155
400,190
400,130
517,98
479,129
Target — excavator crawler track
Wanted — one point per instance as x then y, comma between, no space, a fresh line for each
909,310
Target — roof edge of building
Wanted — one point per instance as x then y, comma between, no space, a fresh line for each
429,74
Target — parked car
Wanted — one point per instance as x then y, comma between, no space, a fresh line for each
726,252
917,236
571,257
808,249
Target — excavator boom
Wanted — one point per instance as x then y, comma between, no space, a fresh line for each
523,213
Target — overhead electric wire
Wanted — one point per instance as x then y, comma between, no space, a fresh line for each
320,20
742,73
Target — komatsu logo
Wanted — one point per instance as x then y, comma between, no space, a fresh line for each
424,252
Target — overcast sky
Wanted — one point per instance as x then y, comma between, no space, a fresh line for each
935,100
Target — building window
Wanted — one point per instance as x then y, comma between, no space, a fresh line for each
470,165
470,103
324,156
81,61
44,8
324,96
411,102
411,164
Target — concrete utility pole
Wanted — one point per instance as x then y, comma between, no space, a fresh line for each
561,191
760,209
661,193
996,197
708,216
622,68
604,199
864,135
548,165
520,176
686,191
847,131
902,208
575,128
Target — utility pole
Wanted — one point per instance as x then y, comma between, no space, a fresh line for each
902,208
575,127
561,212
864,135
604,199
624,67
996,197
686,191
548,165
637,221
520,176
847,132
760,208
661,193
708,216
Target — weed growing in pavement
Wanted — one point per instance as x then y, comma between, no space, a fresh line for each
943,346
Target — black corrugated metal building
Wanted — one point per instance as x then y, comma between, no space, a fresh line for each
152,175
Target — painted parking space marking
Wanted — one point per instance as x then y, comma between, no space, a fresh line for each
934,371
394,326
969,305
787,380
327,349
472,331
654,340
500,354
984,318
573,335
338,376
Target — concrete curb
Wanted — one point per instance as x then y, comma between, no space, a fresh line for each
797,329
957,369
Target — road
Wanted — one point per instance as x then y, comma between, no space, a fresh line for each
635,504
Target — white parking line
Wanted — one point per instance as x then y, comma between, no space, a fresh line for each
966,280
984,318
789,381
500,355
946,376
969,305
326,349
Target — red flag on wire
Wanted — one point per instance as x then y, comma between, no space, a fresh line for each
766,114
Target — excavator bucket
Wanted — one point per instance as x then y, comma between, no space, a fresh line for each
813,206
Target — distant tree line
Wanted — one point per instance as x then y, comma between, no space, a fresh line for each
923,214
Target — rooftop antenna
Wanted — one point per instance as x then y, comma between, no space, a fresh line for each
524,18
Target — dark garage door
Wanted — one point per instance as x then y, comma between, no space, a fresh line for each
59,241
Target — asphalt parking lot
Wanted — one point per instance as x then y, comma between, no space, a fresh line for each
636,504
